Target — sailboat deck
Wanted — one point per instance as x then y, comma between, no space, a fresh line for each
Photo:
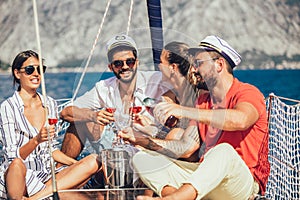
103,194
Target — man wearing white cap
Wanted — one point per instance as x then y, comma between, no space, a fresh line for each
232,123
89,116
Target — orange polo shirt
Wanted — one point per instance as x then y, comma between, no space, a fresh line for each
251,144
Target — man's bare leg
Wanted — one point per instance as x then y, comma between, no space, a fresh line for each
73,143
15,179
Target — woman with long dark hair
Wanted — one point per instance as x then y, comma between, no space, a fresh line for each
25,170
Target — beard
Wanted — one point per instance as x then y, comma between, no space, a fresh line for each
202,85
198,81
118,74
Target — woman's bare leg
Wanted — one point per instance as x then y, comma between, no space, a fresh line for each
15,179
73,176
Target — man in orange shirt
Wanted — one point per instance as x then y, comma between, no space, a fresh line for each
232,124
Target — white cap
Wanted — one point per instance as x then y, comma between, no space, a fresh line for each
214,43
120,40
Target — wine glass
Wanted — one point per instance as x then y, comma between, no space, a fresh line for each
53,118
122,120
135,109
110,110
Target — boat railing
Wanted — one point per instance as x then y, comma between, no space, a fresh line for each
284,147
62,125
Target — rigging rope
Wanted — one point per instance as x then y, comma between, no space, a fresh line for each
287,99
36,23
92,51
129,17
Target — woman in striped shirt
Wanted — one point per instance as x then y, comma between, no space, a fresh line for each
25,170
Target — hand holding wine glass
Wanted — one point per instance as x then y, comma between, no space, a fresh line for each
45,133
48,130
151,103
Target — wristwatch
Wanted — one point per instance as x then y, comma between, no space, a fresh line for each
154,132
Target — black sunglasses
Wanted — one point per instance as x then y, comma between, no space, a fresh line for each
30,69
130,62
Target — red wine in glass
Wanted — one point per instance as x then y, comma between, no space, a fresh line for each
149,109
110,109
135,109
52,121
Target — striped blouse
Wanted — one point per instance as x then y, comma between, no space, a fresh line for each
16,131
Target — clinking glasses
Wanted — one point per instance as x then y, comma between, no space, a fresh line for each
130,62
31,68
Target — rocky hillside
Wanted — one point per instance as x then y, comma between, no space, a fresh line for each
265,32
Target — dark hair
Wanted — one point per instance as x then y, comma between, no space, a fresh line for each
111,53
178,53
18,62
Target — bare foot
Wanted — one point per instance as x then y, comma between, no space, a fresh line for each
147,198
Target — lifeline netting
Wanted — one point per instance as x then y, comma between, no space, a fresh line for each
284,149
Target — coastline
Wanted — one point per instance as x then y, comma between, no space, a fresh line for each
62,84
285,66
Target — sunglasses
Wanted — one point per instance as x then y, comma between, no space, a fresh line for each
31,68
198,63
130,62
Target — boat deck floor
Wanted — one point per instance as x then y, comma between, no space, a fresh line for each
103,194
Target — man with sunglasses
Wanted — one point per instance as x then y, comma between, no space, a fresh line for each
89,116
232,123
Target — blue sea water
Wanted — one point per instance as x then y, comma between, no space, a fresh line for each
283,83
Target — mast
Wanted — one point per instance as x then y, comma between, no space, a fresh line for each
156,29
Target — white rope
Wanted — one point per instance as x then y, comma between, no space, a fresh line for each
92,51
285,98
129,17
36,23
